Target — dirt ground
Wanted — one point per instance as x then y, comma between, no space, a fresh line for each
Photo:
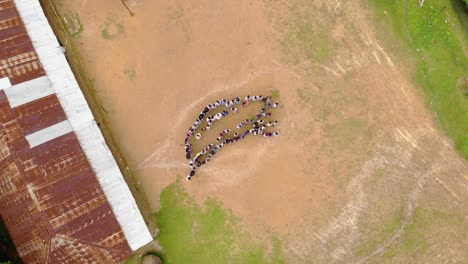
358,145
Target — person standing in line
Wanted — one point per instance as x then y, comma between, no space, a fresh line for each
189,177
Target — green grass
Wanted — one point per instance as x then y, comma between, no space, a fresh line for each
346,132
111,29
74,25
192,233
307,40
135,259
414,240
434,36
384,231
80,30
418,235
275,93
315,44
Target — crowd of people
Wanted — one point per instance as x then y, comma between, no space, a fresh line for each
256,126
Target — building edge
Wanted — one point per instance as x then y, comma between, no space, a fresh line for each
82,121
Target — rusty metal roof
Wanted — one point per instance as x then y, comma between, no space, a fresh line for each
50,198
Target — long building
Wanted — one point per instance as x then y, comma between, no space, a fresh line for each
62,196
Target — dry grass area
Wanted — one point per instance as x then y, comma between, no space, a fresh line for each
362,173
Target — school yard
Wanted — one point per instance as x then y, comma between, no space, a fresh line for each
363,170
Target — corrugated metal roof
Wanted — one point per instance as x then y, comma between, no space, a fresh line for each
62,197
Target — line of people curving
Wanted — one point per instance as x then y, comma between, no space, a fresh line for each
256,125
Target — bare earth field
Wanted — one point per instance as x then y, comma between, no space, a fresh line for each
361,173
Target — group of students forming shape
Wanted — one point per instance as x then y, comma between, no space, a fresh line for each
255,126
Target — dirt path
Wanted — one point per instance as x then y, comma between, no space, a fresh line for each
358,143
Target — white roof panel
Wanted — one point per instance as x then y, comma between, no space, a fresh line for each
28,91
4,83
49,133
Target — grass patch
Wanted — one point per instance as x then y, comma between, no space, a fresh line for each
306,39
426,224
430,34
414,240
73,23
135,259
346,132
384,232
190,233
275,93
112,29
308,42
130,72
313,43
